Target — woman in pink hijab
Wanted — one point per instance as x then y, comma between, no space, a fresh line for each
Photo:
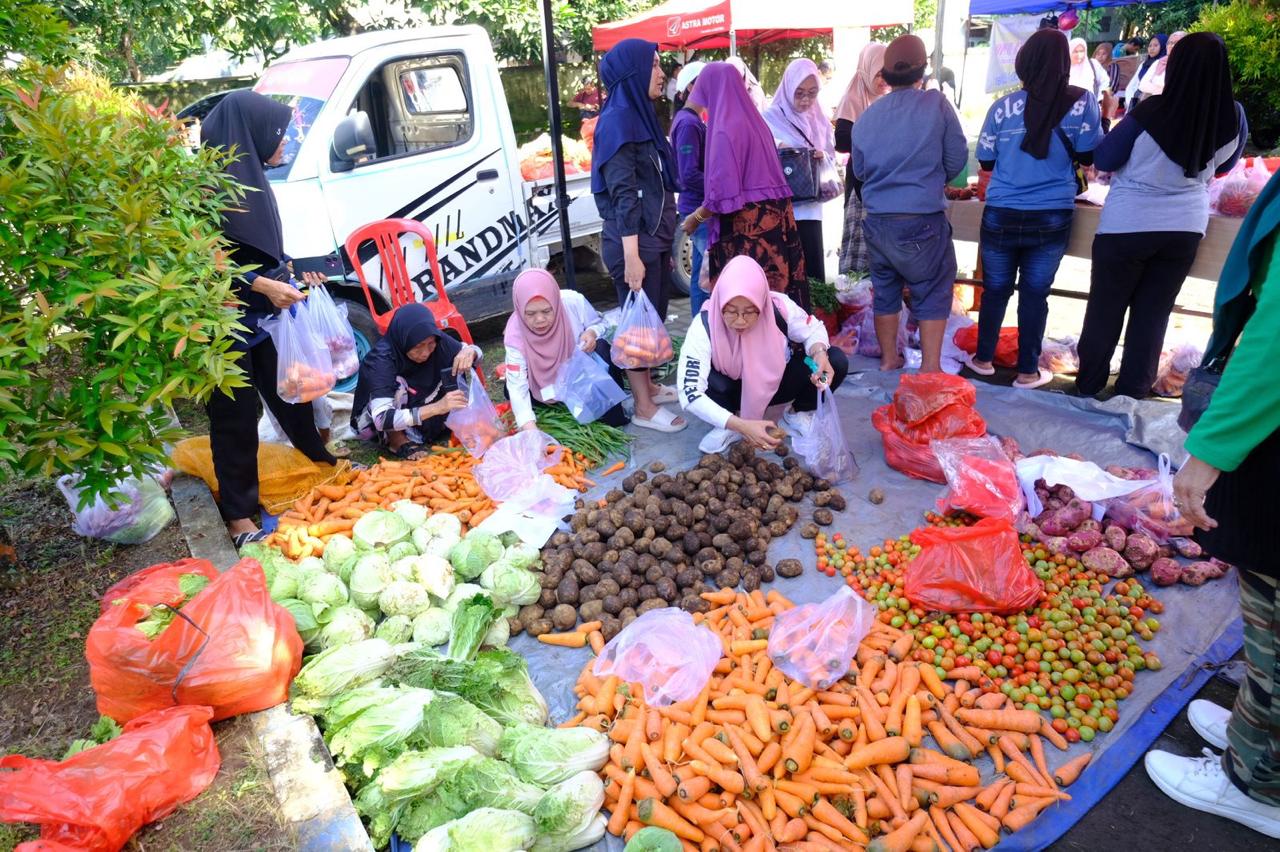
743,361
545,327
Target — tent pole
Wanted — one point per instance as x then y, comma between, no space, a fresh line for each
557,146
733,42
938,23
964,63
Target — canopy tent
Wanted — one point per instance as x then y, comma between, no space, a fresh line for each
1035,7
707,24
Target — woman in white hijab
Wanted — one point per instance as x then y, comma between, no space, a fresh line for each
797,120
1087,72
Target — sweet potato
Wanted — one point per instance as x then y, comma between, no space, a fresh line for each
1223,567
1188,548
1140,550
1165,572
1198,573
1104,560
1089,524
1115,537
1081,541
1057,545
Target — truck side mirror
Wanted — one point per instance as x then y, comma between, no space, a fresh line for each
352,142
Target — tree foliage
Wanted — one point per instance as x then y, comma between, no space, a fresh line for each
1251,31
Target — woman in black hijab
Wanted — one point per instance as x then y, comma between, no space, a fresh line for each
408,383
251,127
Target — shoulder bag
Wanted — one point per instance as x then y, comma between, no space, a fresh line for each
1201,382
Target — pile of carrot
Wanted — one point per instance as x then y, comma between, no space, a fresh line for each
758,761
444,481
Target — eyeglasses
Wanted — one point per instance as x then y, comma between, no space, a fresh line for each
806,94
748,314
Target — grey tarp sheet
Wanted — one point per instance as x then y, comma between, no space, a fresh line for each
1115,432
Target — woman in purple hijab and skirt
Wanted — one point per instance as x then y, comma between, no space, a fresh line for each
746,200
633,179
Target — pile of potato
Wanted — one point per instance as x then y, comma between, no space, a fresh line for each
663,540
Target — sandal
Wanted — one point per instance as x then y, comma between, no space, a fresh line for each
662,421
410,450
666,394
239,541
972,364
1040,381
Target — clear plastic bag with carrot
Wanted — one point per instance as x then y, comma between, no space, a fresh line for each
304,367
641,340
476,426
665,652
815,643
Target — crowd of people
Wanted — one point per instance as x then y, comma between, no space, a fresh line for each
747,176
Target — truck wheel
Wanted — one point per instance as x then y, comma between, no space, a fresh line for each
682,255
366,334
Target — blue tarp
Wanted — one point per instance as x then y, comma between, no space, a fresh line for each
1035,7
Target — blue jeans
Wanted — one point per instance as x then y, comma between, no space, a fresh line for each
1022,247
696,294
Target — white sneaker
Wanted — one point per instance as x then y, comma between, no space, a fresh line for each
718,440
1210,721
798,423
1200,783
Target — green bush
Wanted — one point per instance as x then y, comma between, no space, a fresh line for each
1251,31
112,302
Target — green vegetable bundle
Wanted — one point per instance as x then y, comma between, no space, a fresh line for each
596,441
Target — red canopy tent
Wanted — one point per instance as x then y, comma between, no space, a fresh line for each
707,24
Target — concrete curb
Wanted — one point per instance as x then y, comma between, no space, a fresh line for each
313,799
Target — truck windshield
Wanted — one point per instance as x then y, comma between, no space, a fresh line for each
304,86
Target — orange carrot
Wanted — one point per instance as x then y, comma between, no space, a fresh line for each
653,812
1001,805
900,839
564,640
618,817
1025,721
657,772
973,821
613,468
888,750
1068,772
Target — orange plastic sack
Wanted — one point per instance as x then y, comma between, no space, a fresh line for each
159,582
971,569
951,421
906,456
97,799
230,647
284,473
921,395
1006,346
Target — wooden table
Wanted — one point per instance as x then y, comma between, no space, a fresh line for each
966,221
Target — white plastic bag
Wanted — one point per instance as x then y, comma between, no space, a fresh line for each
816,642
664,651
141,510
512,475
824,448
304,368
1150,508
331,324
585,387
476,425
1086,479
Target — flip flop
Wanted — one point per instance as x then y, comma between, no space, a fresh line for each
666,394
662,421
1044,378
242,539
408,449
981,371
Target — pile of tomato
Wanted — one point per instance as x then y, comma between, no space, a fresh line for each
1074,655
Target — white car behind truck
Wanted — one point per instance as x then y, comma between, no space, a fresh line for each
414,124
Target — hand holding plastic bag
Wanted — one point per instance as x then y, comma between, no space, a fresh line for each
97,799
1150,509
475,425
585,387
823,448
815,643
971,569
665,652
304,367
330,320
142,509
641,340
981,479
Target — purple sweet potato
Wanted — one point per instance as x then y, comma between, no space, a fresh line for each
1188,548
1165,572
1026,526
1076,512
1131,473
1223,568
1198,573
1055,503
1115,536
1104,560
1063,492
1089,524
1140,550
1084,540
1052,522
1011,448
1057,545
1165,551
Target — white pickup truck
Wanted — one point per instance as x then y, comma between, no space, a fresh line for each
428,107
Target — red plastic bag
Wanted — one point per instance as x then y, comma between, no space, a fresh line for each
1006,346
161,582
981,479
914,459
952,421
230,647
97,799
971,569
921,395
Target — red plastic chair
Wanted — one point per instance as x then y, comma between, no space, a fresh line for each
385,235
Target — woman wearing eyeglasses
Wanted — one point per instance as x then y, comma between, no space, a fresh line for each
747,355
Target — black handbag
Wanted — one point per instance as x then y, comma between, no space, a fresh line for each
1201,382
801,170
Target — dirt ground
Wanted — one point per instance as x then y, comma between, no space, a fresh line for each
47,605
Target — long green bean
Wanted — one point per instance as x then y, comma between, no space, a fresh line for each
596,441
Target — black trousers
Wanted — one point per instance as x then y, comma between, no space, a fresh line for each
616,416
794,387
1140,273
233,431
811,241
